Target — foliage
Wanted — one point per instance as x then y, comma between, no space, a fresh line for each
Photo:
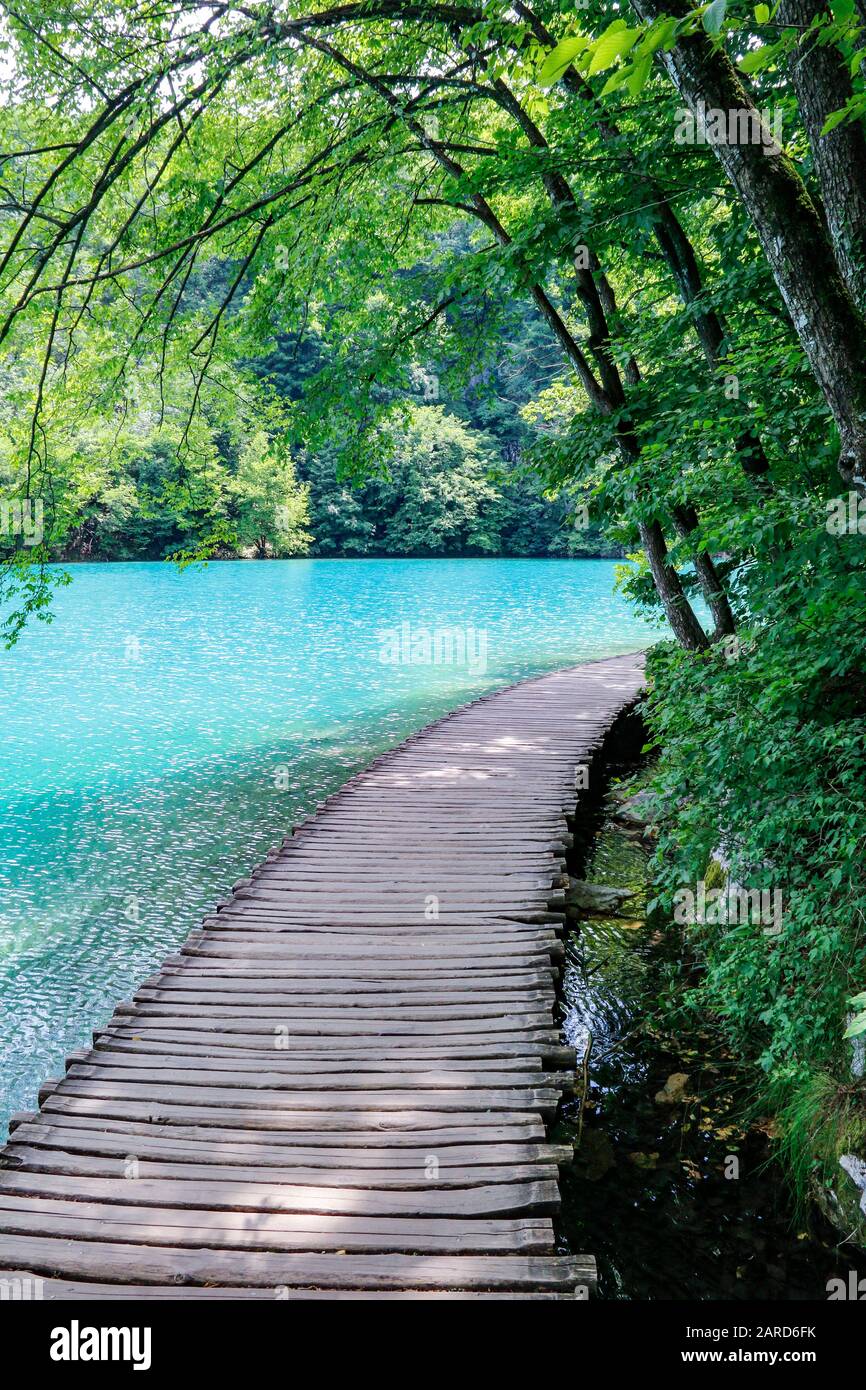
841,24
272,509
764,763
819,1120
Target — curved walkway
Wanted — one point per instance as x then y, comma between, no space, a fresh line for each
339,1087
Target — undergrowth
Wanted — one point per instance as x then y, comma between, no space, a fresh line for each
762,764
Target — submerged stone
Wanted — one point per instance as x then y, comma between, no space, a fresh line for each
595,897
674,1090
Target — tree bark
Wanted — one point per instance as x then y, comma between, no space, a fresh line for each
826,318
678,610
820,78
599,300
686,522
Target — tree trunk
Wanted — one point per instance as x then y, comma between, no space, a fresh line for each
678,610
829,325
680,256
686,522
599,300
820,78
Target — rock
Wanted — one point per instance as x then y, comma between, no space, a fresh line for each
856,1169
674,1090
595,897
637,810
644,1160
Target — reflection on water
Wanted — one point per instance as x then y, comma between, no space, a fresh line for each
168,728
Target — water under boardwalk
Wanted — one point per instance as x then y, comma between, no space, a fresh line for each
340,1085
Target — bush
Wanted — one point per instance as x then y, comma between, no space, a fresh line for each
763,763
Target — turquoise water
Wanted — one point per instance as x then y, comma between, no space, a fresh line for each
168,728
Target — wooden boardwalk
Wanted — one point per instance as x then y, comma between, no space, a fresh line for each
339,1087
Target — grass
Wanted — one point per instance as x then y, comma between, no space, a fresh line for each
819,1119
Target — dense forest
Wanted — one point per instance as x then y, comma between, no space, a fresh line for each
515,270
448,478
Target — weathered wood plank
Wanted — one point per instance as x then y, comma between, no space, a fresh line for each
497,1199
62,1290
539,1098
403,1179
146,1067
111,1261
45,1216
219,1147
377,1126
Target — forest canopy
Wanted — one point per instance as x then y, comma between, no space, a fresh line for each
185,185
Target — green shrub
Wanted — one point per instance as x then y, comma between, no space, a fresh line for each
763,755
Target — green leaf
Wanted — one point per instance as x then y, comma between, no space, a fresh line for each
613,44
713,16
640,71
561,58
856,1026
835,118
633,77
842,10
616,79
762,14
757,58
657,36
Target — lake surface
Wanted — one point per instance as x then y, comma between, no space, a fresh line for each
168,728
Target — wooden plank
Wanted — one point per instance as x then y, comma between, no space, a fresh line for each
346,1102
355,1144
496,1199
401,1053
145,1067
403,1179
122,1032
498,1071
207,975
45,1216
149,1018
63,1290
376,1126
103,1260
285,1008
219,1147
